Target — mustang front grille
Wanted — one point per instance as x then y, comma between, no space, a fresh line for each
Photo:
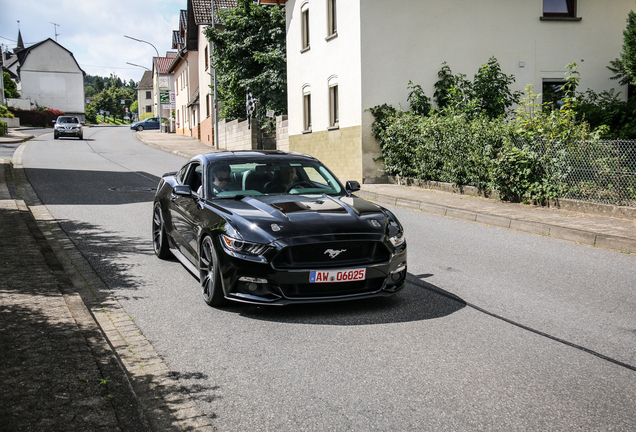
331,289
333,254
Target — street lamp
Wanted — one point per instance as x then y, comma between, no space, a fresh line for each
144,67
156,68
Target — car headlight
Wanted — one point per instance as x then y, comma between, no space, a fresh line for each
397,240
243,247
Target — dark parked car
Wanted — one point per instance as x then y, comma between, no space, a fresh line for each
67,126
269,227
150,123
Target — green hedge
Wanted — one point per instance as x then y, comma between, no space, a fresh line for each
4,128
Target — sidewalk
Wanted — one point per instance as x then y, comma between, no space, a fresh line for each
603,231
15,135
71,359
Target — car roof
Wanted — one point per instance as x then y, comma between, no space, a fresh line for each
252,156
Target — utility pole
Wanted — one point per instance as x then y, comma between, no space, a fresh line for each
55,26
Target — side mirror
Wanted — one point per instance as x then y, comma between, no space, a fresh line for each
352,186
183,190
53,121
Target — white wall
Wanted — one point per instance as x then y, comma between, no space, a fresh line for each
50,77
410,42
339,56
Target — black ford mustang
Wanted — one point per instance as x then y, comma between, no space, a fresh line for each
269,227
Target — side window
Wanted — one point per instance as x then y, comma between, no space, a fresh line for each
334,115
304,26
181,174
559,9
332,21
553,93
193,178
307,109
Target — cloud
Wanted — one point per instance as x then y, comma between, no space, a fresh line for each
94,30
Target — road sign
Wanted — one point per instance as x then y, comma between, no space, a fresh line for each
164,97
123,102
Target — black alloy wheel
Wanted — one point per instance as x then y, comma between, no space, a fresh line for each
159,239
210,275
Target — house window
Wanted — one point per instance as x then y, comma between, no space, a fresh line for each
306,109
553,93
332,22
206,58
148,95
305,26
334,117
559,8
148,108
207,106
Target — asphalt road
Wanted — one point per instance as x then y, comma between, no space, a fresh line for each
496,329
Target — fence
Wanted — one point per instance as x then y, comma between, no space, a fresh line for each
601,171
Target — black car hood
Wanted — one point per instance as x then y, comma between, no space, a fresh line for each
270,218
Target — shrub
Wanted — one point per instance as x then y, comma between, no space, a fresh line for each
519,173
3,128
420,103
4,112
606,110
37,118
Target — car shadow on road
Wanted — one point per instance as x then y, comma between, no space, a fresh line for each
418,301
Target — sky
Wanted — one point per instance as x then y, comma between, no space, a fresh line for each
93,30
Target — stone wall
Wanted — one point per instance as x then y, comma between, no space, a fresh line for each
235,135
339,149
282,133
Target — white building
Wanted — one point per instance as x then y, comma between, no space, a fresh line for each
348,56
50,76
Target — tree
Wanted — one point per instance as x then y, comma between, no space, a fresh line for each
249,54
624,67
10,89
110,100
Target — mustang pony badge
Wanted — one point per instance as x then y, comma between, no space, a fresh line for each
334,253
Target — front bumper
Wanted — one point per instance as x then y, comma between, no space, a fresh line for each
68,132
261,283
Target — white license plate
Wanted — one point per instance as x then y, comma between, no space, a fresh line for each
332,276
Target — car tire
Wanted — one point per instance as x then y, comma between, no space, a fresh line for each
55,136
81,136
140,128
210,275
159,238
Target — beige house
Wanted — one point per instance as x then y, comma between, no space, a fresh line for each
163,81
192,70
145,94
348,56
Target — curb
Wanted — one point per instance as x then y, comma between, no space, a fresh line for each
156,400
616,243
12,140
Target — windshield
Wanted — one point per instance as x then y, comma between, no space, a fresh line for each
278,177
67,120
